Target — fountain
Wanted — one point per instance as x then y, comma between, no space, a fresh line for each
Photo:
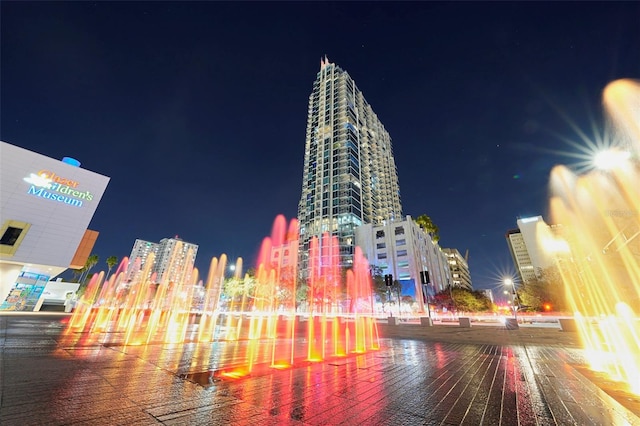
262,313
599,213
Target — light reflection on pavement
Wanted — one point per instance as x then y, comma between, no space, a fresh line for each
55,379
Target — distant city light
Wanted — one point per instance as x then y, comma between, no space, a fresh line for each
530,219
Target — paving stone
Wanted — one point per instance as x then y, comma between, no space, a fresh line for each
440,375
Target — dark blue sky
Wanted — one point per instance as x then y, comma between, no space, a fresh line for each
197,111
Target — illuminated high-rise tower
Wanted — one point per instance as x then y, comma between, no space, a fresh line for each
172,257
350,175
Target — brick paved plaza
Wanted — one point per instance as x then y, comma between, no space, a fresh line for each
441,375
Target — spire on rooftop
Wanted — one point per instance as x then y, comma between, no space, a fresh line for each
324,62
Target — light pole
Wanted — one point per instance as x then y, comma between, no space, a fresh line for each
232,270
516,304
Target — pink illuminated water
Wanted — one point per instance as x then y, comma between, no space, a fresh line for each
277,318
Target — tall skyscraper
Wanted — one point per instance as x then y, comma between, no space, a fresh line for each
141,250
174,258
350,175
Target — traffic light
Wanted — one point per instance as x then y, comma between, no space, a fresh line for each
424,277
388,280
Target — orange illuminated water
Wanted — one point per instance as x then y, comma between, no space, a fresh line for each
274,317
599,255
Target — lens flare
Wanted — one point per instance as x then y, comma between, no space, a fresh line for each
599,213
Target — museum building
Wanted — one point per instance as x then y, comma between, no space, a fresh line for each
46,206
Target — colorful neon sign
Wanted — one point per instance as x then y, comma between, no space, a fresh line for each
48,185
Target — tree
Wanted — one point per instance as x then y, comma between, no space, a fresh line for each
428,226
237,289
302,289
111,262
548,289
442,299
76,275
463,300
88,265
396,288
380,287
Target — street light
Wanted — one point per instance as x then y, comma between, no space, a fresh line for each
611,158
516,303
236,268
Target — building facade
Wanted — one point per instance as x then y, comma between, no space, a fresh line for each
530,247
349,176
172,259
46,207
520,255
139,257
489,293
402,249
459,269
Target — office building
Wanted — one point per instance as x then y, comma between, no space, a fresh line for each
408,253
349,176
459,269
529,247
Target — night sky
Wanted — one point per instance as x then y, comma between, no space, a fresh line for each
197,111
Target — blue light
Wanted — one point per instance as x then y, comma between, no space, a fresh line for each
71,161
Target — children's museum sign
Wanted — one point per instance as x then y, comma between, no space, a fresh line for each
48,185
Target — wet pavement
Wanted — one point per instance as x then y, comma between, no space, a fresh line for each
441,375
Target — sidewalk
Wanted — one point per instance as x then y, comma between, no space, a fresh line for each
441,375
484,334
